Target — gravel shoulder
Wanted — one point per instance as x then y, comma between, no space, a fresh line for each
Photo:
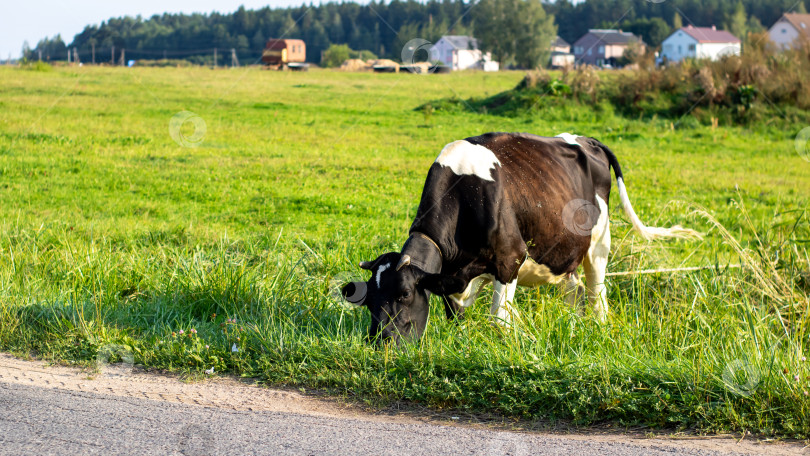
224,402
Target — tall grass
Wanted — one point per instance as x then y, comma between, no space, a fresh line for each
670,356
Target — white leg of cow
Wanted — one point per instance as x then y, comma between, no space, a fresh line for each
502,298
595,263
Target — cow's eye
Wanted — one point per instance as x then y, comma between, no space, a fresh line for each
405,295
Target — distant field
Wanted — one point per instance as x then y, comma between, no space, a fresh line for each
114,238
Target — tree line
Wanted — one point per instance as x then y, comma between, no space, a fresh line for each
516,31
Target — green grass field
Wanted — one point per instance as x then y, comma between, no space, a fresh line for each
115,238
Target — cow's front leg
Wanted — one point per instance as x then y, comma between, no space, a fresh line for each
510,252
502,298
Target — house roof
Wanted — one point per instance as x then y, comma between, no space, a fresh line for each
610,36
462,42
709,35
559,42
800,22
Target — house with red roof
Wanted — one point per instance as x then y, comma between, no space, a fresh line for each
699,43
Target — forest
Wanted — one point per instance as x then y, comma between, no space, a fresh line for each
515,30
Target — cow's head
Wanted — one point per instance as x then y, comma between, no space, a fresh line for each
398,296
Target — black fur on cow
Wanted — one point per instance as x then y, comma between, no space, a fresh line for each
498,207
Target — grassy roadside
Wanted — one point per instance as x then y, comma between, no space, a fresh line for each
113,235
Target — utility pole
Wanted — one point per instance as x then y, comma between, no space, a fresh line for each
123,62
215,57
93,47
75,56
234,59
112,56
39,53
68,55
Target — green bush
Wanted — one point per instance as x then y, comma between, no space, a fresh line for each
339,53
164,63
35,65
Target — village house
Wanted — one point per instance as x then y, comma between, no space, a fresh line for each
560,45
789,29
462,53
699,43
604,47
561,55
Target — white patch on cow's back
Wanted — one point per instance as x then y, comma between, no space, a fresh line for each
465,158
569,138
380,271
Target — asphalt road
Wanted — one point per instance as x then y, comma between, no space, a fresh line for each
38,420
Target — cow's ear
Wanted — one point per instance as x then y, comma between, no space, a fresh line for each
355,292
442,285
370,265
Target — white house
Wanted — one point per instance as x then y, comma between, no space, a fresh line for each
462,53
790,28
699,43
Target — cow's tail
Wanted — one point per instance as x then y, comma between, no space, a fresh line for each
647,232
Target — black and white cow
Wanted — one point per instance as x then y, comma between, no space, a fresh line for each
509,208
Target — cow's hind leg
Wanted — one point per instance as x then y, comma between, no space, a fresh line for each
595,263
573,290
502,298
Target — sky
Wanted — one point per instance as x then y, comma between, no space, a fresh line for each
32,20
